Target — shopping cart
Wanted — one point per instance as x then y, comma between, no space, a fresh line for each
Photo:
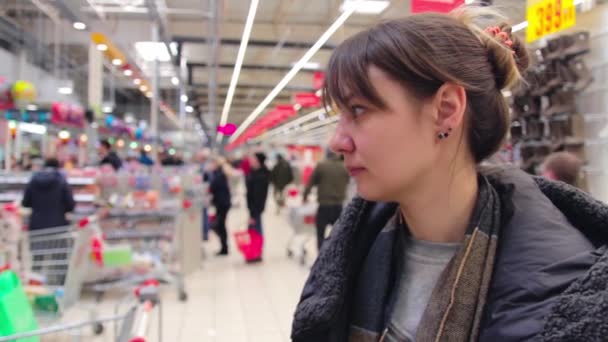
148,243
57,261
302,221
130,325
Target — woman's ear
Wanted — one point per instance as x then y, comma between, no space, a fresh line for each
451,104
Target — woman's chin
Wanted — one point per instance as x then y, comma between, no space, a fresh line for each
369,192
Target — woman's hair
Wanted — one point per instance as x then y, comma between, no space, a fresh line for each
423,52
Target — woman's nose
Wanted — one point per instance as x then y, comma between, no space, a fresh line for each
341,143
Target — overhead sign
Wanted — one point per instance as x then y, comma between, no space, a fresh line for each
441,6
549,16
308,100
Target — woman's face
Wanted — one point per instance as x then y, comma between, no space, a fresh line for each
387,150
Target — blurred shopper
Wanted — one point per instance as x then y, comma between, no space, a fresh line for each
281,176
49,196
331,179
562,166
435,248
108,156
145,159
202,159
257,183
221,201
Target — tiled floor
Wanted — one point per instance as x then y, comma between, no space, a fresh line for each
229,300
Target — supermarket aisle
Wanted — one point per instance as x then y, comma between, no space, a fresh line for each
232,301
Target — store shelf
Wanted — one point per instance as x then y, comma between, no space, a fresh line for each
22,180
80,198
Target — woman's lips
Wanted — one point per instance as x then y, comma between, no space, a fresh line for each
355,171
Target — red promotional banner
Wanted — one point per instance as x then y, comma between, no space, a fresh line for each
318,79
308,100
286,109
441,6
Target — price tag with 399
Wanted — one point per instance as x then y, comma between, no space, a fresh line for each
549,16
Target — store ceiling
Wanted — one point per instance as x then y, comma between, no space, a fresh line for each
283,30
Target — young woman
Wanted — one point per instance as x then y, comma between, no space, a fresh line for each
436,249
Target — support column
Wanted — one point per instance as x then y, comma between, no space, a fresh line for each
183,70
154,98
95,97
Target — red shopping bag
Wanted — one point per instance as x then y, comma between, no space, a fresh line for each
250,243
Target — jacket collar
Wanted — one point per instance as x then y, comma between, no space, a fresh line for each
329,287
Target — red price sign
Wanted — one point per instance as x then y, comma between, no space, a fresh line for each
549,16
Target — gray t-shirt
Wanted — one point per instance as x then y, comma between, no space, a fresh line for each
423,263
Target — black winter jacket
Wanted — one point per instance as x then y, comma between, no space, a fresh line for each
281,174
257,190
550,281
219,189
50,197
113,159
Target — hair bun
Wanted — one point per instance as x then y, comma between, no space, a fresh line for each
508,62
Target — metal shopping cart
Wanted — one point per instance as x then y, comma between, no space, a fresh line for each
58,259
130,325
158,240
302,221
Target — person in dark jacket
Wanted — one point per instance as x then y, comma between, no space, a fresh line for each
108,156
145,159
49,196
221,201
436,248
257,183
280,176
331,180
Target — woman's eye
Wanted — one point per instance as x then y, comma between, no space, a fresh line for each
357,110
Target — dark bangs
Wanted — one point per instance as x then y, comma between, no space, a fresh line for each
347,74
396,47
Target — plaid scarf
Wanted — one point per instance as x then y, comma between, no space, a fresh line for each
456,306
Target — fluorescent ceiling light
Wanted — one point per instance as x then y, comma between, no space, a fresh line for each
469,2
365,7
65,90
143,88
519,26
151,51
175,81
65,135
137,81
128,72
107,109
189,109
184,98
102,47
296,68
295,123
237,66
31,107
32,128
79,26
117,61
310,66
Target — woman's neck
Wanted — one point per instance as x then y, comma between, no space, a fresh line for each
440,208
